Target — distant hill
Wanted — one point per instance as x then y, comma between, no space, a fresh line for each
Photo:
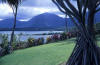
45,21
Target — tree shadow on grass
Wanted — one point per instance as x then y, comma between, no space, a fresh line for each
67,42
1,62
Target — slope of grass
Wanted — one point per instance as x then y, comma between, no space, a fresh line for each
49,54
98,40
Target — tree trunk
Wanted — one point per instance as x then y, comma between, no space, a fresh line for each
90,24
12,34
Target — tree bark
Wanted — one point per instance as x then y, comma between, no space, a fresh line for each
90,24
13,31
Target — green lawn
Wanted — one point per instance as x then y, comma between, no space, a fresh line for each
49,54
98,39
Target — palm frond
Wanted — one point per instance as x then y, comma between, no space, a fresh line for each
12,3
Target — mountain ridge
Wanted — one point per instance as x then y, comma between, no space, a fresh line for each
42,22
45,21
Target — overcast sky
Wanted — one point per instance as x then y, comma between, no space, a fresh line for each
30,8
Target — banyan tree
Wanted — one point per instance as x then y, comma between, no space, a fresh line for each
86,50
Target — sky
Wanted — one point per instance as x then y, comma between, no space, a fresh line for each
29,9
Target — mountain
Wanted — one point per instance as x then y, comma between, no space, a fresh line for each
45,21
97,17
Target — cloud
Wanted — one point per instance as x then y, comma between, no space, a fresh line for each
5,9
33,11
25,12
38,7
30,8
29,12
63,16
24,20
38,3
38,10
1,19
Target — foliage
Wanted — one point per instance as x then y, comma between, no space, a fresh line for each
15,41
40,41
21,45
31,41
4,40
63,36
97,28
48,39
12,3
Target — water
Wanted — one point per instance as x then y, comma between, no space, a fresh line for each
30,32
24,35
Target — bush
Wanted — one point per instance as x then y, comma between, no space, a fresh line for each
21,45
40,41
4,40
48,40
31,42
55,37
15,42
63,36
4,44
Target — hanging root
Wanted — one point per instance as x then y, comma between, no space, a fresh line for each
84,53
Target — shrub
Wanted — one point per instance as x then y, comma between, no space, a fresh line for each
4,40
55,37
31,41
63,36
15,42
21,45
40,41
48,39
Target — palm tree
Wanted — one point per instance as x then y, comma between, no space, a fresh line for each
85,51
14,5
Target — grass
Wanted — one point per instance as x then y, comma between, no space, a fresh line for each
98,39
49,54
